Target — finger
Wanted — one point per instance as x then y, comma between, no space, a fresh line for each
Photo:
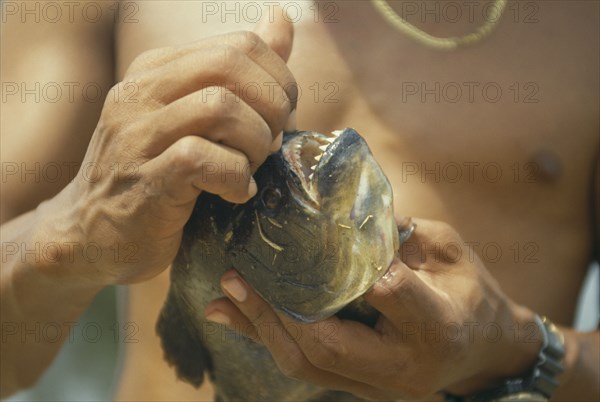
402,295
406,228
189,166
256,310
213,113
227,67
282,344
245,42
277,32
223,311
276,144
431,242
338,346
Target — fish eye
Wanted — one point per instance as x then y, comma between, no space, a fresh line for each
270,197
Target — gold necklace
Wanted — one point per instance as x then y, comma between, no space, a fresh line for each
450,43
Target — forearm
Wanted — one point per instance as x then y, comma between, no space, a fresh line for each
36,293
580,380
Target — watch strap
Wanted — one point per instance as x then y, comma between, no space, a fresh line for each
540,381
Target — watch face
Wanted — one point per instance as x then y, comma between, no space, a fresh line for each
523,396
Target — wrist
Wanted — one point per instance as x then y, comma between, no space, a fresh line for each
57,248
524,343
35,278
537,383
511,353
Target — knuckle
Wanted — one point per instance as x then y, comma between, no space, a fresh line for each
148,57
115,89
214,101
401,285
185,154
282,110
447,231
396,288
326,355
265,139
293,366
134,91
248,41
413,386
258,317
418,384
228,59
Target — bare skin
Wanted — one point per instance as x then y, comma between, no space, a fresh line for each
547,217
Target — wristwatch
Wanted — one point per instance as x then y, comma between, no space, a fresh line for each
539,383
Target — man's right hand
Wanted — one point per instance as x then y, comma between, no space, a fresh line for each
183,120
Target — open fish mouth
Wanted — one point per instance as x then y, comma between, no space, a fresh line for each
306,154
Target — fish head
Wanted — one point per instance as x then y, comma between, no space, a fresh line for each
320,230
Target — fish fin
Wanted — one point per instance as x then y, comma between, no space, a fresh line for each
181,347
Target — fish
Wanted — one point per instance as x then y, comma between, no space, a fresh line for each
317,235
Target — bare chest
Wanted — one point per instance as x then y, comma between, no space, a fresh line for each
498,139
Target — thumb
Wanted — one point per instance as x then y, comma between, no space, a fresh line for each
401,294
277,30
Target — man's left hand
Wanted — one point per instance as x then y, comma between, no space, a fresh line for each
445,324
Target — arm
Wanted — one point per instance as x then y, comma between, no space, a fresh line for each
151,159
580,379
41,127
33,297
583,349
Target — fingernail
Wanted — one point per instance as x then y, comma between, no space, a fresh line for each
291,123
218,317
276,144
252,188
235,288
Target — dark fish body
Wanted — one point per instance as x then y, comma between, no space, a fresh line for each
317,235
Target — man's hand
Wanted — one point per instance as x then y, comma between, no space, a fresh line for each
444,325
183,120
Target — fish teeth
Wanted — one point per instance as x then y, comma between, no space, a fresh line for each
337,133
318,157
310,176
323,147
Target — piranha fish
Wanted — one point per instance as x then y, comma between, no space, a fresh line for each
317,235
